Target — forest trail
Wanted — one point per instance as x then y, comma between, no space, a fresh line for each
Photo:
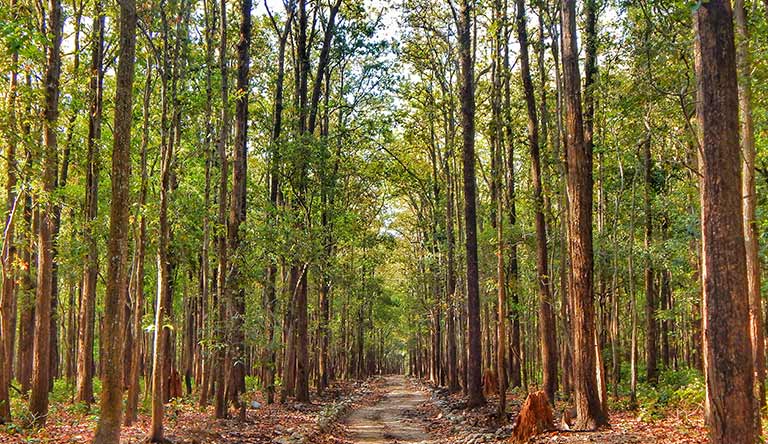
388,421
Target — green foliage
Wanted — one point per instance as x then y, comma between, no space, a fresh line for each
363,201
681,389
252,383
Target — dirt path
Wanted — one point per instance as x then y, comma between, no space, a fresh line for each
388,421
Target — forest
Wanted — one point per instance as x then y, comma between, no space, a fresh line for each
383,221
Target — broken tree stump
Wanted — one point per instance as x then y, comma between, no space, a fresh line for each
490,386
174,384
535,417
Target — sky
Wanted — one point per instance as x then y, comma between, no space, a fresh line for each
389,29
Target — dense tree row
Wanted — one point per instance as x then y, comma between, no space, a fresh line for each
598,177
253,184
557,194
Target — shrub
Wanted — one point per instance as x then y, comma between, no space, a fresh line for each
681,389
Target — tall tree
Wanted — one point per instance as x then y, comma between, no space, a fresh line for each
307,123
111,403
590,85
297,361
221,239
237,214
546,315
748,190
26,303
41,371
137,280
205,307
90,273
515,352
651,349
729,367
589,411
270,289
164,297
498,141
467,98
8,296
451,296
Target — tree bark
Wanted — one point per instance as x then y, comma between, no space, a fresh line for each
206,303
8,296
497,142
749,199
270,290
450,294
651,349
163,300
467,97
633,355
137,284
546,316
729,365
237,209
299,361
590,414
26,302
41,375
108,427
501,315
90,273
515,378
221,239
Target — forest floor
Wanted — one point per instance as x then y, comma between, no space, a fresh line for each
187,423
391,419
389,410
413,413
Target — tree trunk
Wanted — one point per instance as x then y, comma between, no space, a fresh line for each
108,427
206,306
137,284
590,414
501,316
270,290
220,358
90,274
8,296
749,200
26,302
299,270
729,365
467,97
633,355
665,294
307,122
546,316
498,140
651,349
289,341
450,317
566,343
41,375
163,300
237,214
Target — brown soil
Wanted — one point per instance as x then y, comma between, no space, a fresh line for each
388,421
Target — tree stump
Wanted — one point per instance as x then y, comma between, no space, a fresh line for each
535,417
490,386
175,384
